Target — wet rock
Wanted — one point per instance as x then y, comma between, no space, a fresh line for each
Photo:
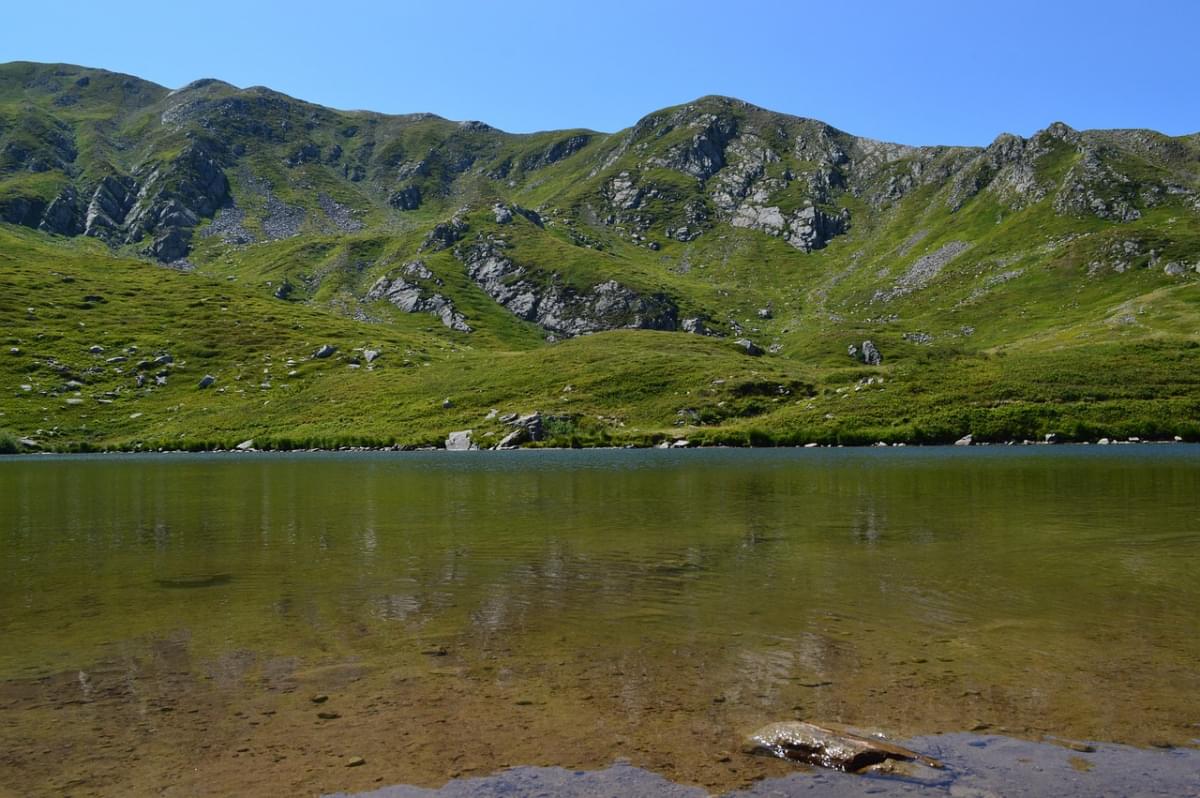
840,750
965,440
246,446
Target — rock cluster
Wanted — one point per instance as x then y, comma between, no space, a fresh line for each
561,309
415,297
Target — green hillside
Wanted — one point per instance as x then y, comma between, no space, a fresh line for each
713,274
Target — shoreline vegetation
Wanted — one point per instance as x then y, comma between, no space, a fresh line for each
14,447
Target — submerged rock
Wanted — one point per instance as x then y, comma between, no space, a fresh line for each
804,742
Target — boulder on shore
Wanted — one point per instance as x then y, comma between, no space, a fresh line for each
460,441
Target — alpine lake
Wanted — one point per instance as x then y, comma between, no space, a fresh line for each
306,624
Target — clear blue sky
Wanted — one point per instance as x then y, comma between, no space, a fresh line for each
922,72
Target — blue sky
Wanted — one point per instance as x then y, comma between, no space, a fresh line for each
919,72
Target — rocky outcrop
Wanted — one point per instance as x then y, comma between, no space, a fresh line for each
1093,187
563,148
411,296
704,154
806,229
526,429
541,298
460,441
504,214
445,234
175,196
869,354
406,199
110,204
62,215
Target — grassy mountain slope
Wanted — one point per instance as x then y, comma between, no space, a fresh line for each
1033,286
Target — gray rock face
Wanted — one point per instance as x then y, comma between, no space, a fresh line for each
206,381
556,152
406,199
445,235
704,155
560,309
868,354
526,428
324,351
172,199
413,297
504,214
513,440
165,202
697,326
62,215
749,347
1093,187
623,193
460,441
172,245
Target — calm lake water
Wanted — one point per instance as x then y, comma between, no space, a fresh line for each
189,625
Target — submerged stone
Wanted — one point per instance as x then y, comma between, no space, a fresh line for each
814,745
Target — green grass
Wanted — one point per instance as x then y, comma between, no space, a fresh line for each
1028,338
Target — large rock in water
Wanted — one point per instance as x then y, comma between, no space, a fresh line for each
841,750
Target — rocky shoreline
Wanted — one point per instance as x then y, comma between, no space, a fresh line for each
670,445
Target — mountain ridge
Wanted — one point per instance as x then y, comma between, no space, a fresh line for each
779,240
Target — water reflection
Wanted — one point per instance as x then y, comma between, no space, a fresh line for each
940,585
